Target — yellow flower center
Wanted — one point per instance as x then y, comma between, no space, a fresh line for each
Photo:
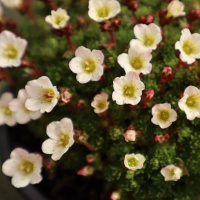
137,62
7,111
164,115
101,105
58,19
129,90
103,11
193,101
132,162
26,167
48,95
189,48
11,52
172,172
64,139
148,40
89,65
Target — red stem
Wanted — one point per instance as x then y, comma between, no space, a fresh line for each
69,40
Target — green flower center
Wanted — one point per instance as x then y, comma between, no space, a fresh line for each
48,94
64,139
132,162
193,101
189,48
103,11
58,19
27,167
89,65
7,111
101,105
11,52
164,115
137,63
148,40
129,90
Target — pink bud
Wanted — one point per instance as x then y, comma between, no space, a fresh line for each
162,138
130,135
115,196
86,171
167,71
65,95
90,158
149,94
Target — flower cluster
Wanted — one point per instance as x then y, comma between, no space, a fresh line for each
124,100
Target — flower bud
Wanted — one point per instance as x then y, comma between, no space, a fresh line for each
86,171
130,135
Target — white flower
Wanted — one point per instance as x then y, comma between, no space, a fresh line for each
58,18
12,49
24,168
163,115
190,102
6,115
100,103
87,64
42,94
175,9
127,89
17,105
61,138
130,135
137,60
171,173
102,10
12,3
134,161
148,36
188,46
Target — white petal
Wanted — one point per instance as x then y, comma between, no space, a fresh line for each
53,130
83,52
139,30
9,167
75,65
49,146
36,178
83,77
19,180
98,55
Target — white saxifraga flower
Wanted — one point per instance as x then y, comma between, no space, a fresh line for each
43,96
24,168
58,18
188,46
12,49
171,173
127,89
87,64
137,60
175,9
100,103
130,135
134,161
190,102
163,115
61,138
6,115
12,3
148,36
103,10
23,115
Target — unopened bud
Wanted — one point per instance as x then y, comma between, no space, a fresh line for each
130,135
86,171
